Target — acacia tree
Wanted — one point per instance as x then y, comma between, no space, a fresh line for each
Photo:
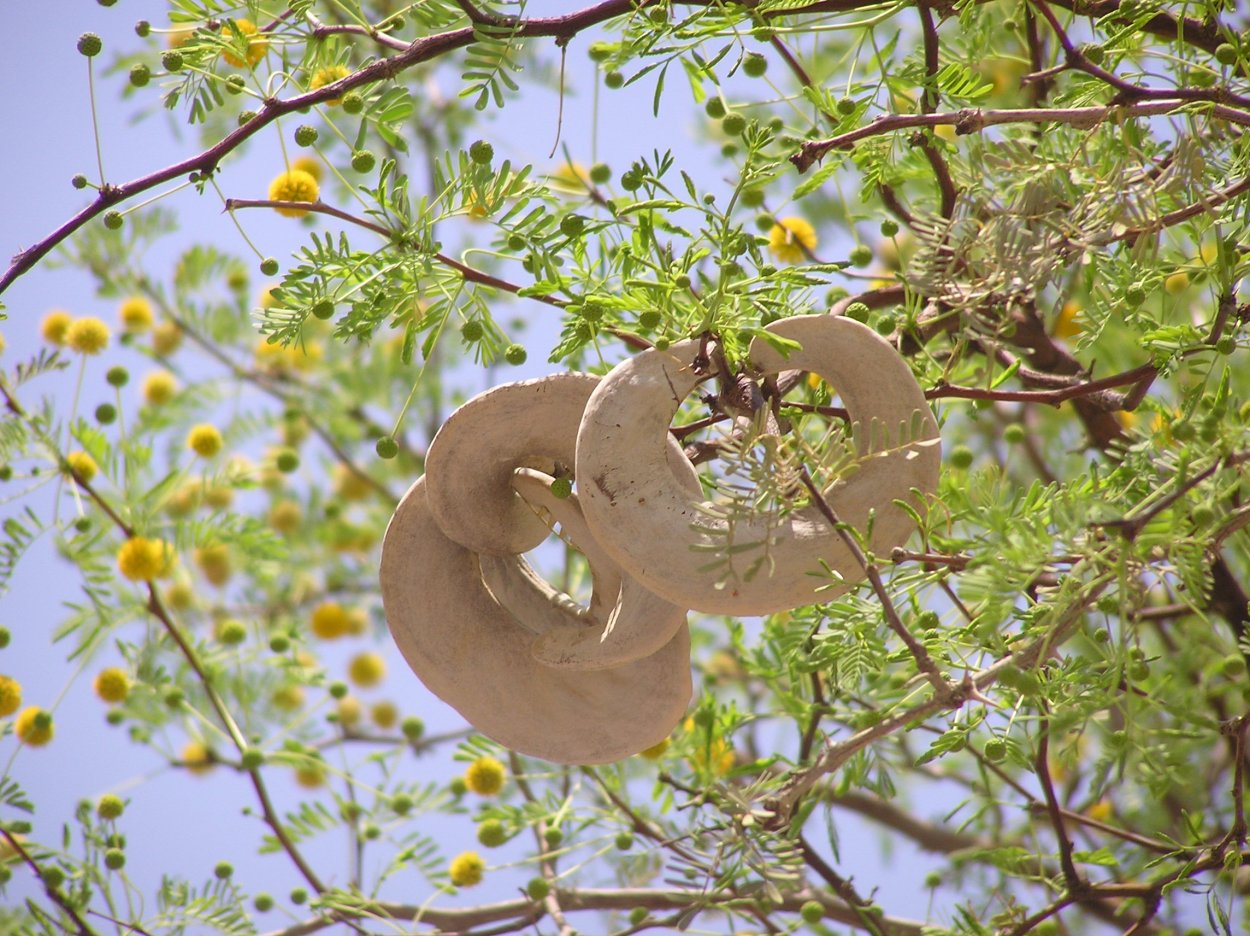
1039,204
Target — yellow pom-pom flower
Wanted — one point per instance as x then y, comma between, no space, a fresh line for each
350,711
1178,282
310,165
656,751
328,75
214,562
10,696
1067,326
294,185
141,559
349,485
285,517
82,465
789,238
205,440
112,685
136,315
197,758
310,777
257,45
55,327
485,776
384,714
166,337
288,698
87,335
330,620
34,726
466,869
367,669
159,387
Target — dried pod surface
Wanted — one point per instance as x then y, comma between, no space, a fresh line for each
473,654
633,505
636,622
472,457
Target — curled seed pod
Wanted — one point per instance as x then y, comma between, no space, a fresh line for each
471,652
659,534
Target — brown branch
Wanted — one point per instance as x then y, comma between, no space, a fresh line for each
54,893
944,688
975,120
1074,882
381,70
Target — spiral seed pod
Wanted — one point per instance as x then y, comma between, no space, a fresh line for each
635,508
473,654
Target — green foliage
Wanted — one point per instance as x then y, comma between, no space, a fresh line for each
1045,689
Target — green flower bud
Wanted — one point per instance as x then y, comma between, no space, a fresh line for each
386,447
472,330
305,135
481,152
754,65
105,414
222,870
269,266
861,255
353,103
515,354
614,79
600,173
412,727
538,888
960,457
113,220
89,44
172,61
140,75
363,160
733,124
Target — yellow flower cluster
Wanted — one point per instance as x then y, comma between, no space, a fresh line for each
466,869
159,387
485,776
141,559
330,621
214,562
112,685
205,440
136,315
34,726
82,465
10,696
328,75
55,326
257,45
790,238
294,185
197,758
367,669
87,335
166,337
